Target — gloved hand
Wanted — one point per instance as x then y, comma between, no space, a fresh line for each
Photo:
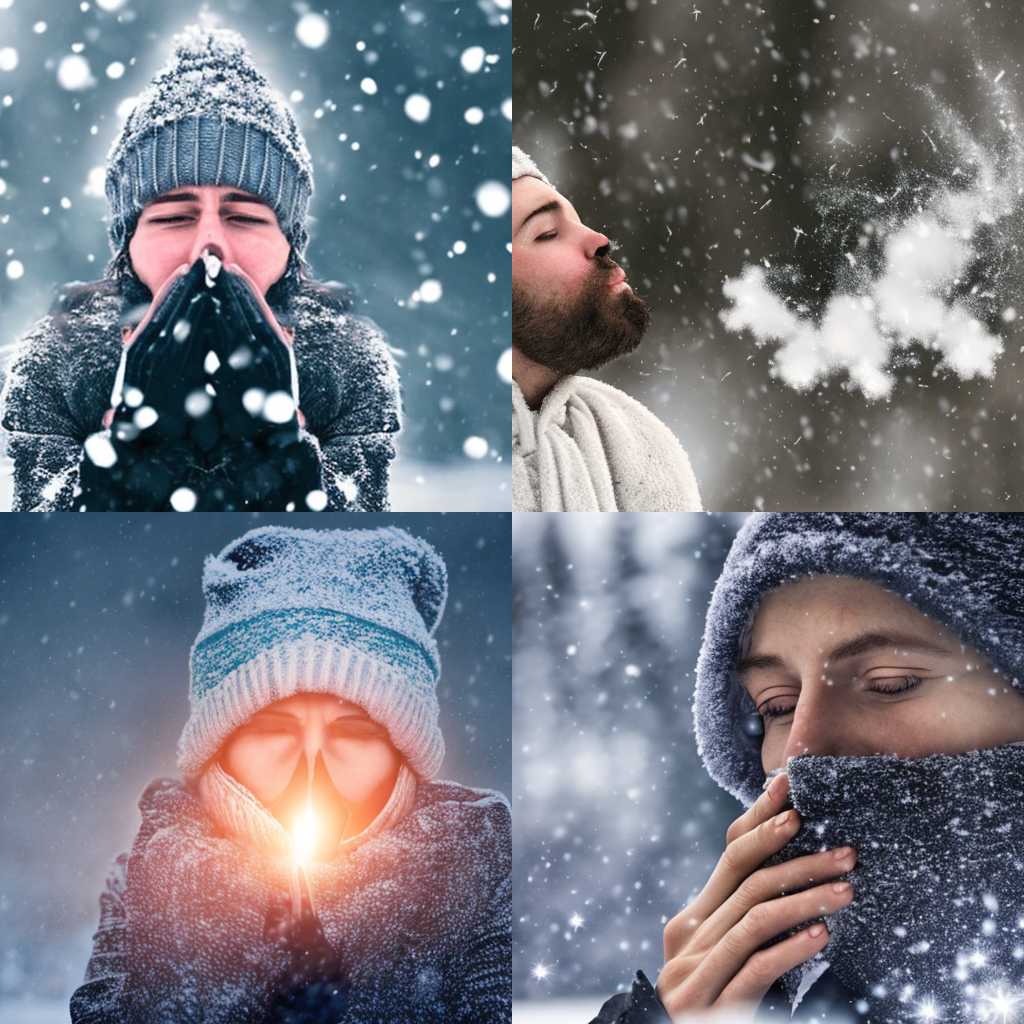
206,939
149,450
259,459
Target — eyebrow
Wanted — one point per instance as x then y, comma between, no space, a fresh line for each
281,713
551,206
192,197
862,644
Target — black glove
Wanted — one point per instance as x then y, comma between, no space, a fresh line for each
260,460
149,452
255,364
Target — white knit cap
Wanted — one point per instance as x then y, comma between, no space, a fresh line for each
523,166
345,612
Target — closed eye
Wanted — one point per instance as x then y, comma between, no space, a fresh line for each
890,685
183,217
547,236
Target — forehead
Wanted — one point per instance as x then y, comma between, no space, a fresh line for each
529,193
206,192
816,611
302,702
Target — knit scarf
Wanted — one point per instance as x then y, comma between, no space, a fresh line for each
238,813
592,448
936,928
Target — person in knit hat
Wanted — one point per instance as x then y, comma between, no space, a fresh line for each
309,865
579,444
859,691
207,369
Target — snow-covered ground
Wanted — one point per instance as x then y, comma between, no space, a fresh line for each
415,487
557,1011
33,1011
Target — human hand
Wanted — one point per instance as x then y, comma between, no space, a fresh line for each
202,917
256,381
715,952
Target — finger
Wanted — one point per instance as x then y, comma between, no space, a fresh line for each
766,966
743,856
761,924
770,883
264,307
264,326
774,799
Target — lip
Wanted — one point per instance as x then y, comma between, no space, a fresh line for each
617,278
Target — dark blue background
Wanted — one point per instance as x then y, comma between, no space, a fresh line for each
97,614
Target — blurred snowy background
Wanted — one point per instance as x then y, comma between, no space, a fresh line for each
822,202
406,108
97,614
617,823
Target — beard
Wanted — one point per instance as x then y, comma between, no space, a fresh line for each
939,881
598,326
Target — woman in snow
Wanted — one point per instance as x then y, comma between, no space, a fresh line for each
312,739
181,372
870,667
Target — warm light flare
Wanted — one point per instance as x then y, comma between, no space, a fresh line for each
304,835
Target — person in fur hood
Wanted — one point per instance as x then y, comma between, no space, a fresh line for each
578,444
309,866
859,691
207,369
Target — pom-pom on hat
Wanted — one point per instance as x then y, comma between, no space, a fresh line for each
209,117
964,570
346,612
523,167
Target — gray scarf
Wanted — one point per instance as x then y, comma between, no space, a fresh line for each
938,913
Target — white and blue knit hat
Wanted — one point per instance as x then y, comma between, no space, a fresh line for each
346,612
209,118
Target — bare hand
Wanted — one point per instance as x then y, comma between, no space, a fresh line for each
713,955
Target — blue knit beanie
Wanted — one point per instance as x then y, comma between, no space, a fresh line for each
346,612
964,570
209,118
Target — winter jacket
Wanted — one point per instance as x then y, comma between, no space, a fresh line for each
59,385
418,928
592,448
827,1000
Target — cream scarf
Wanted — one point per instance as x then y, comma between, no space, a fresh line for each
592,448
238,813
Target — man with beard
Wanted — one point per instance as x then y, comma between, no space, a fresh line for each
861,690
578,444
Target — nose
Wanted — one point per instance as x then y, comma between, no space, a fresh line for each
817,726
210,235
594,242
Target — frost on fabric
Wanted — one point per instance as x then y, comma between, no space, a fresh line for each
59,384
952,567
936,923
925,270
350,571
242,95
417,919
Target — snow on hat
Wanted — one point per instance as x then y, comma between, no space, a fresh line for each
523,166
345,612
209,117
964,570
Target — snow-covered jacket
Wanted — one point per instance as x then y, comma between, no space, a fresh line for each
59,384
828,1001
417,919
592,448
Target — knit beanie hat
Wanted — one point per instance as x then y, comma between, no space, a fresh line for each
964,570
209,118
346,612
523,166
